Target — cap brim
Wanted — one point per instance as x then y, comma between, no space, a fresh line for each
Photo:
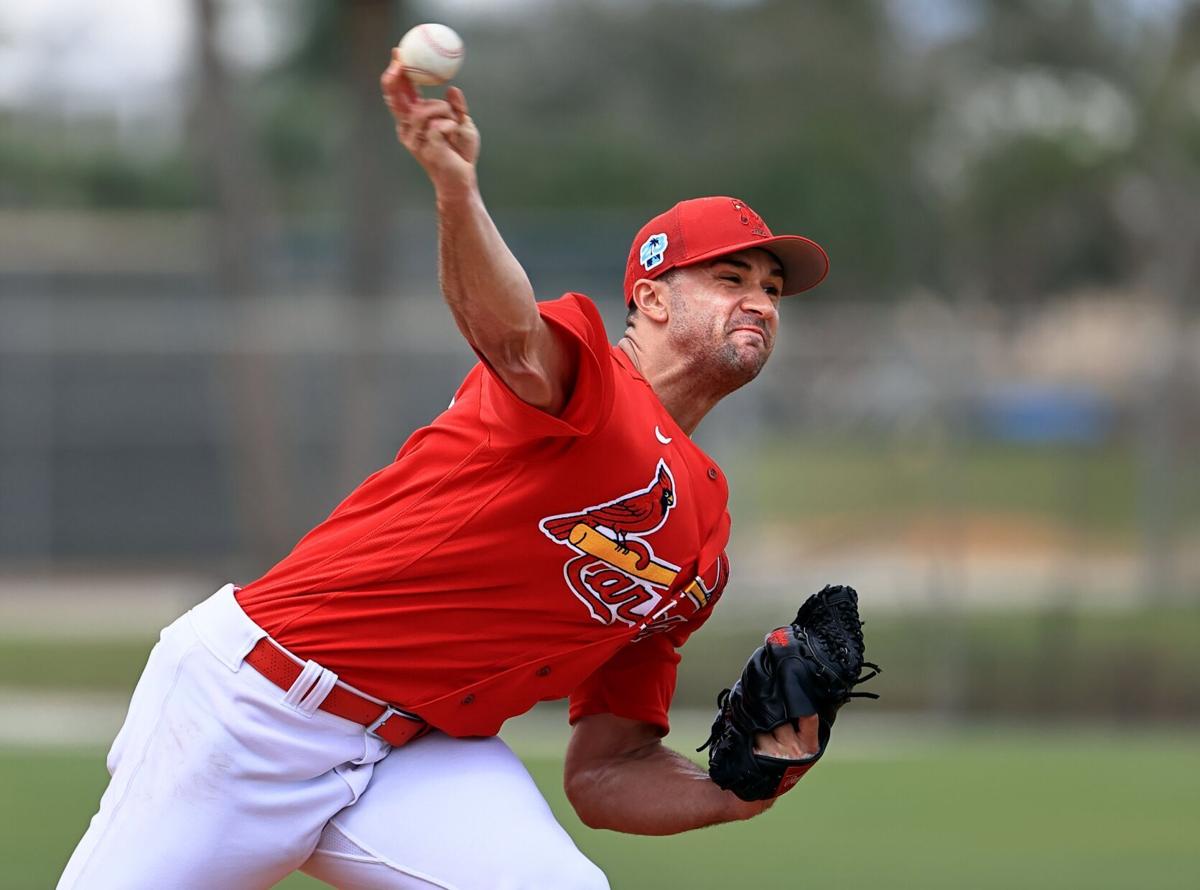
805,263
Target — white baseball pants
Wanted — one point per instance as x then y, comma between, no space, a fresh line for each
222,779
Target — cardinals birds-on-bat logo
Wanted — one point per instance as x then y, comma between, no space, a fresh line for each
639,513
616,573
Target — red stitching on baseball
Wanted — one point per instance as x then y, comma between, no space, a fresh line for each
447,53
413,69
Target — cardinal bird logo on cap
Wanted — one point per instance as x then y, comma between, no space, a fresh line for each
615,571
749,218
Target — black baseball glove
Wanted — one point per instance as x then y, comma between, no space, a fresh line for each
809,667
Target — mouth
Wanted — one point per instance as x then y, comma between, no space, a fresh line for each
753,330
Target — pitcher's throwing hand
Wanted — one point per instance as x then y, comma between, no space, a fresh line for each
438,132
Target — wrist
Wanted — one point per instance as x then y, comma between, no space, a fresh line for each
456,191
739,810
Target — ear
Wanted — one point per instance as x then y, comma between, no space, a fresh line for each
650,297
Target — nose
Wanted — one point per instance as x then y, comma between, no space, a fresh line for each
760,304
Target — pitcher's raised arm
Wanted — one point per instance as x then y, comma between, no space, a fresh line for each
485,287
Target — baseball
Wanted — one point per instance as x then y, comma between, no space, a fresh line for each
432,54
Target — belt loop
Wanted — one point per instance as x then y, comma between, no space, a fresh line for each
312,701
299,689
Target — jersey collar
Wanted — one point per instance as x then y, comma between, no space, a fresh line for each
626,362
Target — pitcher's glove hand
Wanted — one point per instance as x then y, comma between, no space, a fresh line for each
809,667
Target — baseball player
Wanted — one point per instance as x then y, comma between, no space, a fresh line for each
555,532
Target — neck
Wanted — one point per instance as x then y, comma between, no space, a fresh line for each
686,392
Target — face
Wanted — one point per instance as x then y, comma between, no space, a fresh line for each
725,314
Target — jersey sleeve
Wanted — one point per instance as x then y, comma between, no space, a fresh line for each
576,320
638,682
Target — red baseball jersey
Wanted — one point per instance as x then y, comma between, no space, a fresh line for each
509,556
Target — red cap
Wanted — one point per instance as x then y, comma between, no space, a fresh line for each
704,228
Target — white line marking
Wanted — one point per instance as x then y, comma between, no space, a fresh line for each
658,435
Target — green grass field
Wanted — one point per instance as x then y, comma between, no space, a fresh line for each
978,809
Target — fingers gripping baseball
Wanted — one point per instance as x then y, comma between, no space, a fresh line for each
439,133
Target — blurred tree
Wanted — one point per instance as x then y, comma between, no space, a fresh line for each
371,28
1168,225
237,242
1045,112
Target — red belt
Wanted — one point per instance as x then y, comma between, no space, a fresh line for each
394,726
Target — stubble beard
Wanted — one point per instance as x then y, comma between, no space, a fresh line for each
710,353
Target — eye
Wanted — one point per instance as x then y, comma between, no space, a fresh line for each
735,279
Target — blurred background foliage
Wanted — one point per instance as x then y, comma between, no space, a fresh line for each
1004,149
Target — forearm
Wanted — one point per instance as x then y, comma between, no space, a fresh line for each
485,287
653,791
493,303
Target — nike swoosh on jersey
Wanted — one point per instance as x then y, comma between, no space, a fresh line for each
658,435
